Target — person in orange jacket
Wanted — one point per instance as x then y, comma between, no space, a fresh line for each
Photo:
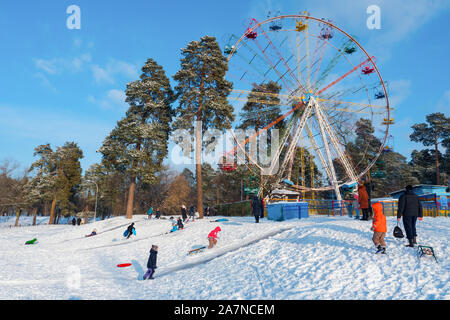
363,199
379,228
212,237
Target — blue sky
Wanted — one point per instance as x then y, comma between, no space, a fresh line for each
62,85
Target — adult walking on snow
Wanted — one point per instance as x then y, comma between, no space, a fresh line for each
256,208
410,208
192,212
363,199
370,186
183,212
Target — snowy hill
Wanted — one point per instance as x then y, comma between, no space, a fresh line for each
316,258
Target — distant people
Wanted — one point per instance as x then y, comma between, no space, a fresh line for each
151,263
74,221
184,212
356,205
261,206
370,186
180,224
256,209
212,237
149,212
158,213
93,233
379,228
410,208
174,226
130,230
207,211
192,212
78,221
363,199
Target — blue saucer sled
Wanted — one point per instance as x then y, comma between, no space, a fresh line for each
126,232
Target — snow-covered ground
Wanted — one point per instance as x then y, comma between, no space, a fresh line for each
316,258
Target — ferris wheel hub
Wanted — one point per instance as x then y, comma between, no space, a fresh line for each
306,97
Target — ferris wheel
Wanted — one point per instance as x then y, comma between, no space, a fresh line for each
315,83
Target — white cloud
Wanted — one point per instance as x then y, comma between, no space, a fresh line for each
112,100
57,66
45,82
399,90
101,75
114,68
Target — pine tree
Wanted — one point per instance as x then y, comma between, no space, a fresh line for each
262,107
138,144
432,133
202,96
57,176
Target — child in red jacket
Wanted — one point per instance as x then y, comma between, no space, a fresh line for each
212,237
379,228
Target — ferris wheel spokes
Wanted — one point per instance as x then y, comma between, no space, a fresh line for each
343,76
332,177
335,143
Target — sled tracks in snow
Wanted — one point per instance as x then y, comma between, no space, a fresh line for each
218,252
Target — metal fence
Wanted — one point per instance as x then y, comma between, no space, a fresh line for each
347,208
236,209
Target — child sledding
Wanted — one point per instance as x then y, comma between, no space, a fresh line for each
130,231
93,233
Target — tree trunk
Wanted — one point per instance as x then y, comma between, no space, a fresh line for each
198,151
198,166
52,210
16,224
35,210
129,214
438,180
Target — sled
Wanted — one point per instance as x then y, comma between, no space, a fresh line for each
425,251
126,232
220,220
123,265
30,242
196,249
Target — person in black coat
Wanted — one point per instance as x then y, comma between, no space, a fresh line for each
256,208
410,208
184,212
74,221
151,263
130,230
158,214
78,221
261,205
180,224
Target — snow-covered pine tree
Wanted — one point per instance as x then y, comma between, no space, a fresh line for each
202,96
138,144
57,176
262,107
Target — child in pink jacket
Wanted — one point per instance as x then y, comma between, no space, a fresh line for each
212,237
